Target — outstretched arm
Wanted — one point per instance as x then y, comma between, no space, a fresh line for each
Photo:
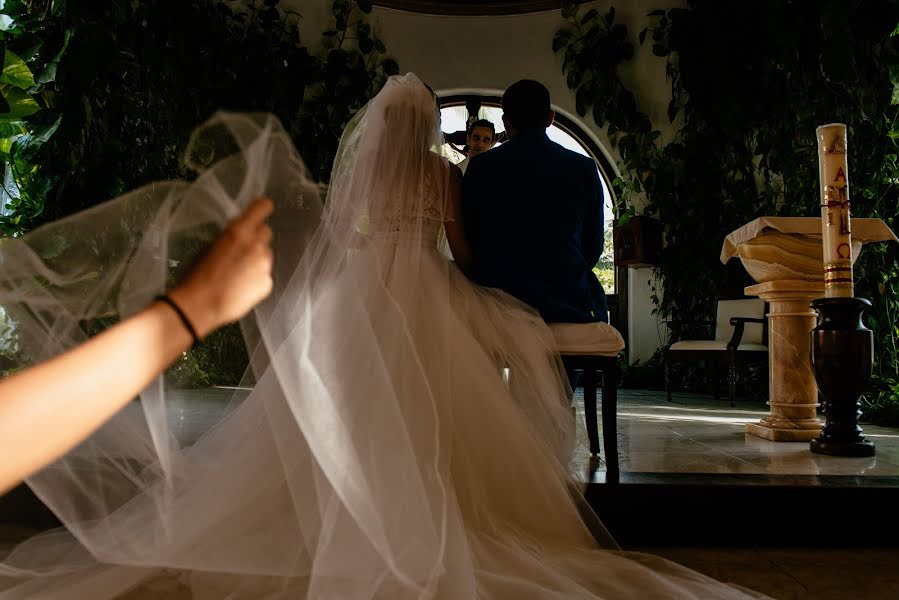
454,221
50,408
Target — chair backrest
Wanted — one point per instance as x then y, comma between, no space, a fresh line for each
743,307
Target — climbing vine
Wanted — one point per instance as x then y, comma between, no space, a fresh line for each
98,98
750,82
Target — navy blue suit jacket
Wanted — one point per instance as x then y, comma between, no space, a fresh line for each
534,216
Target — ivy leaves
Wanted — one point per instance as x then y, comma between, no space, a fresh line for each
352,69
28,118
102,97
894,79
751,82
593,46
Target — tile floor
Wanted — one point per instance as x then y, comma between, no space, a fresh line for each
696,434
797,573
781,573
692,434
785,574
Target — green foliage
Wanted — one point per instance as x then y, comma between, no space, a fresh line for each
751,82
32,48
120,87
605,268
219,360
11,355
103,96
593,47
645,375
351,70
133,127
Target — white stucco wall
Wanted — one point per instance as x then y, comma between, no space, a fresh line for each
485,54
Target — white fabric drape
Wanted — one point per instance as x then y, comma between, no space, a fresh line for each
379,454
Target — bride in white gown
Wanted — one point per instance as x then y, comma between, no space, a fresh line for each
380,454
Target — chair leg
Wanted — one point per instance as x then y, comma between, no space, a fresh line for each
610,422
668,379
589,382
732,380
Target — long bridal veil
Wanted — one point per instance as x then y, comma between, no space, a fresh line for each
374,448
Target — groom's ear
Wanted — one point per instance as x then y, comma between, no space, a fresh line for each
550,118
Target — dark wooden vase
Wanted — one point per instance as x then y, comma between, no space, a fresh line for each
842,352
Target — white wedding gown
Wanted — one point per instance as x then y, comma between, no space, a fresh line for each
380,453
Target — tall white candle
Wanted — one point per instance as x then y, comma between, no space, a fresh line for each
833,174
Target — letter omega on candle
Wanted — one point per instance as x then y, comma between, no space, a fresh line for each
834,180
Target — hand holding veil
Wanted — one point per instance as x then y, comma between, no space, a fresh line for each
300,446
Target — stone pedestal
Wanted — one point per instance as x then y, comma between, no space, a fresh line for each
792,393
785,255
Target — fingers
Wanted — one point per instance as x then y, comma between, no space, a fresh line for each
256,213
252,221
234,275
250,226
253,218
264,234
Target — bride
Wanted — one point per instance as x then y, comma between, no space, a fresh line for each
379,452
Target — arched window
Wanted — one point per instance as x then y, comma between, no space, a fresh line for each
457,111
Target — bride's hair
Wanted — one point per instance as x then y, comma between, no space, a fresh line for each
387,166
402,112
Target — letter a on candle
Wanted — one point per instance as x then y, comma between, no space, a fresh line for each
835,231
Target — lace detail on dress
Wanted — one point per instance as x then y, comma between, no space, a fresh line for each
416,219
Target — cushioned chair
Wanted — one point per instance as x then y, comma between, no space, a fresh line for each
593,348
741,335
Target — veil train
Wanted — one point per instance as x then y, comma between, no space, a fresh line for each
375,452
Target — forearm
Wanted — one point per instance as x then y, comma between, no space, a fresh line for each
48,409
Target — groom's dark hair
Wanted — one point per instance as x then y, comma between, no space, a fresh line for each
526,104
482,123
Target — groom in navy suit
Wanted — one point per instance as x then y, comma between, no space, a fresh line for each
534,215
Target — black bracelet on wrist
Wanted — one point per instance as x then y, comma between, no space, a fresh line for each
187,324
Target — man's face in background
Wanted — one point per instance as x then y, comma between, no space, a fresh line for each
480,140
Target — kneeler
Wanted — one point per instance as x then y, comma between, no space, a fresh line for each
593,348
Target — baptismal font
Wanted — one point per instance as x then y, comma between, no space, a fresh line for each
796,261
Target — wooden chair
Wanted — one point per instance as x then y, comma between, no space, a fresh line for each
593,348
741,335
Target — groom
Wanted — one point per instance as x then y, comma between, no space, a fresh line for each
533,215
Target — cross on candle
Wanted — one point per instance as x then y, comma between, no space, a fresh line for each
835,229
